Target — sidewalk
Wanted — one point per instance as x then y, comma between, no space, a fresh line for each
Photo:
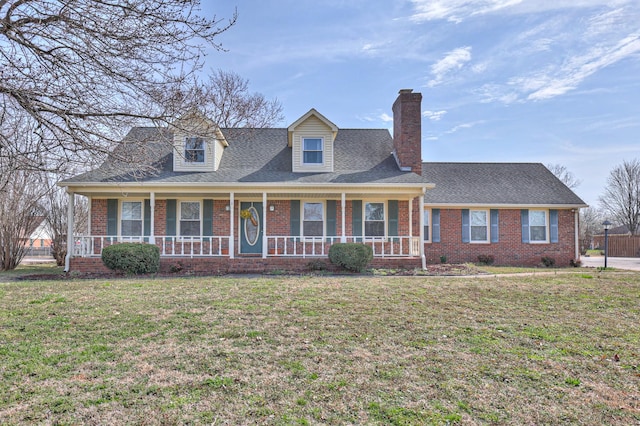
628,263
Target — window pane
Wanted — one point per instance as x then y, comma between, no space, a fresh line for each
314,157
426,232
312,144
478,233
312,211
194,143
312,229
189,228
190,210
374,229
478,218
131,210
537,218
374,211
538,233
131,228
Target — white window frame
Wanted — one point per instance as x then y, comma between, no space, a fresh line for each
427,224
195,139
179,220
487,225
384,219
303,150
324,217
546,227
121,218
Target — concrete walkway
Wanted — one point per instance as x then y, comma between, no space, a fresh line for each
628,263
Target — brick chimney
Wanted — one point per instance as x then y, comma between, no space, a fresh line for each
407,130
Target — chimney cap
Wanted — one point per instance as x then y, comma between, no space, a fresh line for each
405,91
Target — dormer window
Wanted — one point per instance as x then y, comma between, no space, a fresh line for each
312,149
194,150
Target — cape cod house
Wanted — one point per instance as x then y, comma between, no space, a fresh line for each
237,200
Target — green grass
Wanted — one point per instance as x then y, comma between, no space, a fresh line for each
322,350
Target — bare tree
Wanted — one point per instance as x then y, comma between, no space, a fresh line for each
20,212
228,102
621,198
590,225
57,202
84,70
562,173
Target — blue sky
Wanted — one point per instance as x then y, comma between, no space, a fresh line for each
550,81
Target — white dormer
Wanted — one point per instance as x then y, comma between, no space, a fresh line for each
198,144
311,138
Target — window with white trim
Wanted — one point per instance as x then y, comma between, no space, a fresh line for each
479,226
131,219
312,150
194,150
374,219
538,226
190,219
313,219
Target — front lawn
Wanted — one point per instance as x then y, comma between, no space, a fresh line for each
539,349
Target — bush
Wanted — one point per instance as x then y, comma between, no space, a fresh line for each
575,263
132,258
548,261
317,265
486,259
443,259
351,256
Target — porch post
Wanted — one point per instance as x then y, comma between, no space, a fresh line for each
264,225
231,225
421,242
70,247
152,214
343,202
411,217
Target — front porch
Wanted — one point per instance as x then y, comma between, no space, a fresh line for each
233,231
274,246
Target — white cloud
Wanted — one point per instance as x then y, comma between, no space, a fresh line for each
464,126
434,115
460,10
452,61
561,79
386,117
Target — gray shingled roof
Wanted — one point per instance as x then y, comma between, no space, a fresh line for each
263,156
497,184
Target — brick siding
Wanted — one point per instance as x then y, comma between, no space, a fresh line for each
510,250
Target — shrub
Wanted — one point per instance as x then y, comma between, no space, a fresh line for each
443,259
548,261
132,258
486,259
351,256
317,265
575,263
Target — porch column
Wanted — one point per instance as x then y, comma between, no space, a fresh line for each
231,225
410,218
343,202
421,242
89,216
264,225
152,213
70,247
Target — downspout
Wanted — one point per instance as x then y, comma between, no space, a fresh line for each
70,247
422,255
576,221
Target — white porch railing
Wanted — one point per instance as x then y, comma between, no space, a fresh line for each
92,245
401,246
282,245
